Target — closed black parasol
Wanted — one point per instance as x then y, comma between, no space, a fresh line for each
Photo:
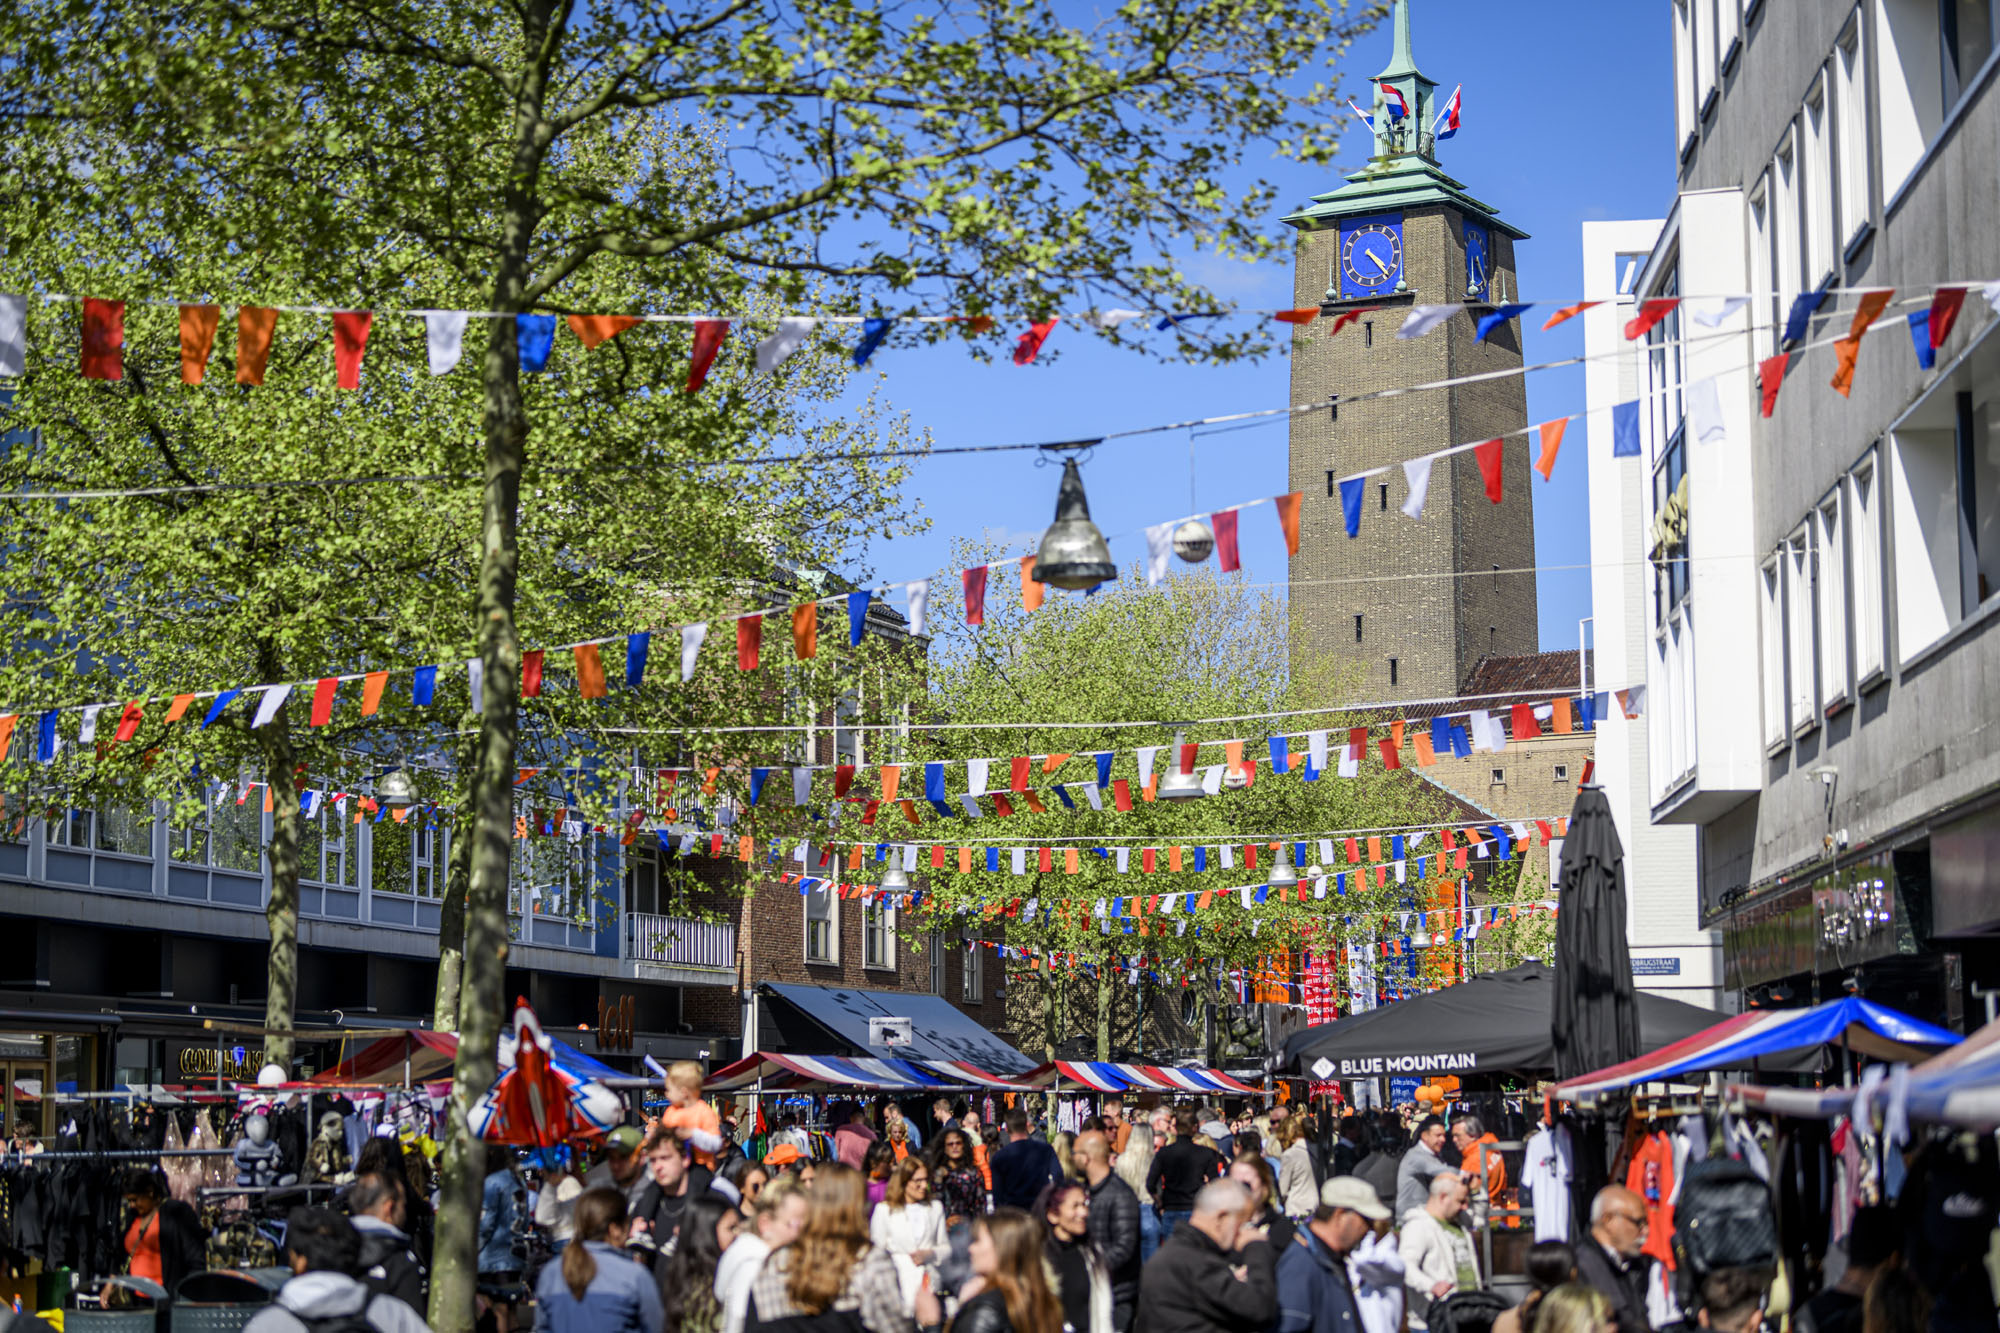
1596,1019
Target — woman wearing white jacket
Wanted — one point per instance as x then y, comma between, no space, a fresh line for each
1436,1250
1298,1192
909,1224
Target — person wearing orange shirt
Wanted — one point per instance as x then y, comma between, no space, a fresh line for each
690,1119
1479,1154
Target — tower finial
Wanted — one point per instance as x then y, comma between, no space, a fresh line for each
1402,60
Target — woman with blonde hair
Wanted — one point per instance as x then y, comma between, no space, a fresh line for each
1132,1166
1298,1194
1009,1292
833,1268
910,1225
1573,1308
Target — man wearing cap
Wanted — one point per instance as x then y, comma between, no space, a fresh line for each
622,1168
1314,1293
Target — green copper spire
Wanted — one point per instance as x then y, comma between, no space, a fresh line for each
1403,60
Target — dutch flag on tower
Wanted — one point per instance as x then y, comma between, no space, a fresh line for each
1398,106
1447,124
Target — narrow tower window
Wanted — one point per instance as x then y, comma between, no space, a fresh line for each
1385,497
1357,629
1392,671
1367,333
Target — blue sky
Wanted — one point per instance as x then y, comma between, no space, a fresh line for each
1567,119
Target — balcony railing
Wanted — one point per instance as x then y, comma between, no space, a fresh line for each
675,941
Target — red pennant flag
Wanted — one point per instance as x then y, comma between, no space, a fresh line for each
1250,855
1350,316
1446,835
975,595
868,812
1224,523
1301,317
1488,457
103,339
255,327
1568,312
749,637
1771,376
1525,727
1019,771
1288,519
1848,349
1944,313
1046,862
350,340
1650,313
1148,860
1390,757
1002,806
843,778
1357,743
1552,439
591,330
531,679
1546,831
589,671
197,340
1121,794
322,708
708,336
1188,753
1030,345
128,722
1353,851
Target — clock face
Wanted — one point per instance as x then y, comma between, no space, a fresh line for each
1478,260
1371,256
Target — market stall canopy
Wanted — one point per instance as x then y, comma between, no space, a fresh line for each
1860,1025
424,1056
1959,1087
1107,1077
1498,1022
834,1020
773,1072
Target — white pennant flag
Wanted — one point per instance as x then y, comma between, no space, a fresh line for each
910,856
975,776
475,674
971,804
1417,478
1146,753
691,637
1316,755
1710,314
1124,860
802,781
791,335
86,731
1094,794
1319,887
1704,411
1020,860
1211,779
1228,857
1991,291
1424,318
267,707
13,335
920,601
444,339
1109,319
1349,766
1326,850
1400,871
1159,545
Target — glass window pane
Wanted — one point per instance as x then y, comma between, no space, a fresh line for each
237,837
389,861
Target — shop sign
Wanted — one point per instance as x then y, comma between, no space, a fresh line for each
1769,940
189,1063
1376,1065
1857,914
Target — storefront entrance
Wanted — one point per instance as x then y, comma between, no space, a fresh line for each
35,1066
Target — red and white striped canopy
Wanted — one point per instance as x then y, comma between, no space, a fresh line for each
775,1072
1105,1076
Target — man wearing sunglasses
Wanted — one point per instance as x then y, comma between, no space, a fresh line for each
1612,1258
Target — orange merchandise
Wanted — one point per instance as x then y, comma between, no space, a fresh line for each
1652,1178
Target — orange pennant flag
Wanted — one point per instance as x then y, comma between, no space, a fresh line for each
1848,349
178,707
254,327
744,847
892,777
1232,756
197,340
709,779
854,858
1201,903
1034,802
589,671
1288,519
1303,316
1396,734
1426,756
805,630
1568,312
371,691
1031,591
965,860
1559,719
1173,858
594,329
1070,866
1054,762
1552,439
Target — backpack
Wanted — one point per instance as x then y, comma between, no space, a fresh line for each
1724,1218
1466,1312
338,1323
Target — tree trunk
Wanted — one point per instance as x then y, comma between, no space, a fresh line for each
457,883
281,912
1104,1009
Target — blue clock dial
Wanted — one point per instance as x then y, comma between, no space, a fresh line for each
1478,261
1371,256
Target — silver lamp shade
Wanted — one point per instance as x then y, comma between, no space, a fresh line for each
1282,875
395,790
1176,785
1074,554
894,878
1193,541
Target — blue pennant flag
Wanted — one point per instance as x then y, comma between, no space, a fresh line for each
1441,735
1299,861
1340,885
943,809
1062,794
881,851
222,701
857,616
1920,335
1461,742
1104,768
1501,836
534,338
636,648
934,782
423,686
1263,892
1499,315
1169,321
1308,773
1396,847
1200,858
1803,309
1625,430
1423,866
873,331
1351,492
993,858
758,777
45,744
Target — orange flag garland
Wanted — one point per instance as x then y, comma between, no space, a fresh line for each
197,340
1848,349
255,326
1288,519
1552,438
591,330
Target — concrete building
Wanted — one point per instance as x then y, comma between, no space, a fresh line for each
1400,233
1821,654
1671,953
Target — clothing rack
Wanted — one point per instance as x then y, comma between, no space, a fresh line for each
120,1154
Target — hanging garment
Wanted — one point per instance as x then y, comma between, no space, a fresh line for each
1651,1176
1545,1173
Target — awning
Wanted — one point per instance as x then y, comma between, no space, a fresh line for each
1959,1087
769,1071
834,1019
1762,1034
1107,1077
1497,1022
423,1056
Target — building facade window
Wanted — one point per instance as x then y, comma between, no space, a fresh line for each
1562,772
1392,670
1947,515
934,946
1686,109
1771,608
1850,132
822,925
878,935
1787,225
1357,629
1763,333
970,969
1816,143
1800,711
1830,537
1864,540
1928,54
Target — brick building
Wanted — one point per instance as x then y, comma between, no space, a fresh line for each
1401,233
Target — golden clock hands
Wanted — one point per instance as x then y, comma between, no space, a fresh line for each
1377,261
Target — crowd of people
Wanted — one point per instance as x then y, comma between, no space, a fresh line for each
1168,1219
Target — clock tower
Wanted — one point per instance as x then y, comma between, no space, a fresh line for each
1416,603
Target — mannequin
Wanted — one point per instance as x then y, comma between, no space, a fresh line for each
257,1157
327,1158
